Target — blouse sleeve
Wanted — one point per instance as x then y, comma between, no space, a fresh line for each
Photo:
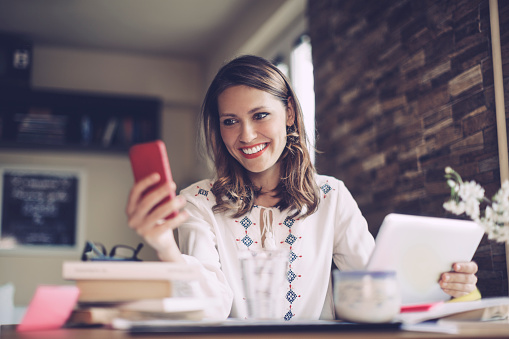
198,244
353,243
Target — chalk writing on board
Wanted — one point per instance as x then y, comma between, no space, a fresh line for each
40,208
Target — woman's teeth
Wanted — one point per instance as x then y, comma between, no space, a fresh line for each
255,149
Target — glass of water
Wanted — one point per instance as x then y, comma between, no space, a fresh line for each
264,281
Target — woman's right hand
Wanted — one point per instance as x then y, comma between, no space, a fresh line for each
150,222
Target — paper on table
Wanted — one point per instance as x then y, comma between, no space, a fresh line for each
49,308
450,308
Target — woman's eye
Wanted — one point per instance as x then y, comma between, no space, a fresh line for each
228,122
260,116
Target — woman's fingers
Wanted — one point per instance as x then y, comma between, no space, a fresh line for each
137,190
154,232
461,281
157,216
145,207
465,267
458,293
458,278
461,278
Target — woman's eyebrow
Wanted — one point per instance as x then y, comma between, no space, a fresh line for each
226,115
251,111
256,109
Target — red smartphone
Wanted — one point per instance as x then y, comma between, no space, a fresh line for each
150,157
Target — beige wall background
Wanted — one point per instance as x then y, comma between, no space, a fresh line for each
180,83
107,177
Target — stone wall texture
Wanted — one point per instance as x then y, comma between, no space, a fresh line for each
403,89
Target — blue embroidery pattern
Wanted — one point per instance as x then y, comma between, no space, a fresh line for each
246,223
326,188
247,241
290,275
288,315
203,192
291,295
293,256
290,239
289,222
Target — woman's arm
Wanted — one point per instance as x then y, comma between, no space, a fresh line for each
150,223
197,240
199,244
353,243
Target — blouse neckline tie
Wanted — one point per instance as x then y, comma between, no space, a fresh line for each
269,242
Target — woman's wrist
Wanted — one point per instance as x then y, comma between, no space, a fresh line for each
170,254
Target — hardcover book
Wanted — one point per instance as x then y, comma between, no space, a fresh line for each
133,270
123,290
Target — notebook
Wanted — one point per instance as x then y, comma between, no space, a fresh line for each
419,249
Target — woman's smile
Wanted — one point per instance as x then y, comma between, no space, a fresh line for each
255,151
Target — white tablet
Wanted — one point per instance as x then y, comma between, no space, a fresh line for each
419,249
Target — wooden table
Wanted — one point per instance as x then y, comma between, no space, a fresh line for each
479,330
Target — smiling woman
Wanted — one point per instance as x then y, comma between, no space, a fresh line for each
267,115
266,195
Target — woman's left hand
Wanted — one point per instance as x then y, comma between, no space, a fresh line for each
461,280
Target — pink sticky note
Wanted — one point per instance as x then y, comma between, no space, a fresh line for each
420,307
49,308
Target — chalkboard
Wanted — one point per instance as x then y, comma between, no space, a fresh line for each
39,207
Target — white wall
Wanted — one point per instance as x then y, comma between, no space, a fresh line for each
108,176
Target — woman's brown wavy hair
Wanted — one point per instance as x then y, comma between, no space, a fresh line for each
233,189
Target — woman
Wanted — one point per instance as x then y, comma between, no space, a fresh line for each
266,194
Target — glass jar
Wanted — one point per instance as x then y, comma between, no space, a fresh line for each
366,296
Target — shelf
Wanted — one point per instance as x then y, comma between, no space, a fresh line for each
76,121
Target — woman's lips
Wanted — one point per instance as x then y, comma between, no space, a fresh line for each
254,151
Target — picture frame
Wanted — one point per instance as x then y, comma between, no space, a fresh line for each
41,209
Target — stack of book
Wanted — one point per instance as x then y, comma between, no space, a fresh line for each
132,290
41,126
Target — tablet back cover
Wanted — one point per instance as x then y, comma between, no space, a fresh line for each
419,249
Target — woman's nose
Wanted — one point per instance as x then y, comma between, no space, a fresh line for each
247,133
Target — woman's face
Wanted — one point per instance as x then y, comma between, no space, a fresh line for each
253,127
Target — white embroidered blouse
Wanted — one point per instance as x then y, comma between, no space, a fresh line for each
336,231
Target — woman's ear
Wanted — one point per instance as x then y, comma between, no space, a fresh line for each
290,112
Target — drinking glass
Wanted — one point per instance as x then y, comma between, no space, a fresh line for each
264,279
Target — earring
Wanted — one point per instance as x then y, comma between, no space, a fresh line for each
291,135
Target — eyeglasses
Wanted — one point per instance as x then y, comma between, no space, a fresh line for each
95,251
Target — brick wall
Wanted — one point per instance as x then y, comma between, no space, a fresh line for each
404,89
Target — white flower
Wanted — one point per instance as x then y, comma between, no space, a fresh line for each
471,191
502,196
455,207
472,209
466,198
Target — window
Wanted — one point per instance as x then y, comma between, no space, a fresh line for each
300,72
